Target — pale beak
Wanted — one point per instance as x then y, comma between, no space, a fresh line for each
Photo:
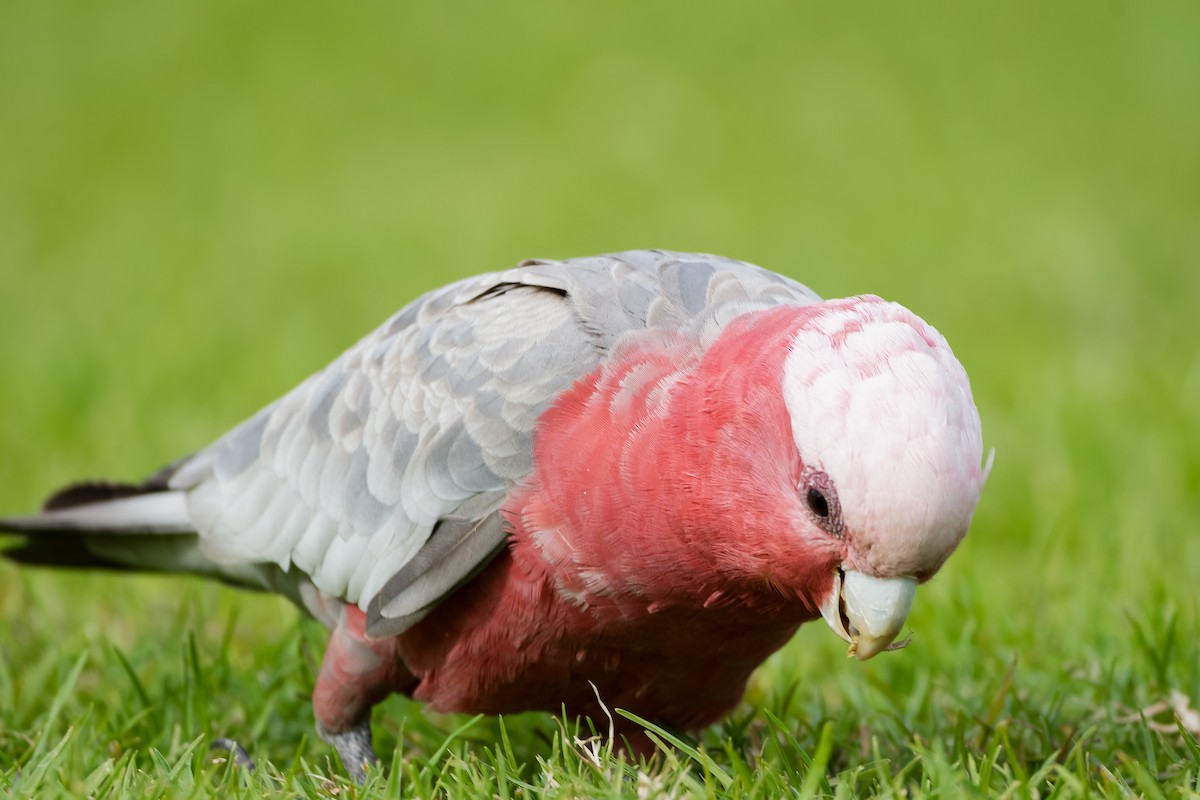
868,612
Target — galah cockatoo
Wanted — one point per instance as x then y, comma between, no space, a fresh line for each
621,480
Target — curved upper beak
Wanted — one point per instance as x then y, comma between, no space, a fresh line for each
868,612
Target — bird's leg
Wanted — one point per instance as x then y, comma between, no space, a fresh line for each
353,747
356,673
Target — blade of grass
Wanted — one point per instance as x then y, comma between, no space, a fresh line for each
699,756
65,689
816,771
445,745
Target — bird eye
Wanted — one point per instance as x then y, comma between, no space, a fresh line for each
822,500
818,504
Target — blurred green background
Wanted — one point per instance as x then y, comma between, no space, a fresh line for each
202,203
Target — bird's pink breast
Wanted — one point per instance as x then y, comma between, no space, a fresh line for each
649,550
509,645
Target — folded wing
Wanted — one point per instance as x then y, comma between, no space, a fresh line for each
382,476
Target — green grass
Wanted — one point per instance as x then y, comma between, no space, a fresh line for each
201,203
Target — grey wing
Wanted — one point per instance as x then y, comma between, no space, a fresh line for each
374,467
639,289
381,477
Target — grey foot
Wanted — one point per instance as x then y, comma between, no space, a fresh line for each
353,748
236,753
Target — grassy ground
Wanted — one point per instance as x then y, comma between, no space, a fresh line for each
201,203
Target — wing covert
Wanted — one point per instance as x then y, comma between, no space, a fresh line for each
346,476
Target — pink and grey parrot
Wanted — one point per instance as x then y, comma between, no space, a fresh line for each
625,479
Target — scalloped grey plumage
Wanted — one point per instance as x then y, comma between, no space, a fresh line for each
382,476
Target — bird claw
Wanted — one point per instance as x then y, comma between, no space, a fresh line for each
235,752
354,748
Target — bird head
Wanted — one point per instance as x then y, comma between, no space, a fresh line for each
890,453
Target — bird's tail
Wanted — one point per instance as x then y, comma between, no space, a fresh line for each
124,526
106,525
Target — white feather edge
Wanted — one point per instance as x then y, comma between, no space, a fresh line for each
160,512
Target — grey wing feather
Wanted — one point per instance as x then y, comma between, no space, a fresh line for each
640,289
461,544
346,477
382,476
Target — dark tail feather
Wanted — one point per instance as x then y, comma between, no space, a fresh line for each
121,526
52,551
98,524
88,492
